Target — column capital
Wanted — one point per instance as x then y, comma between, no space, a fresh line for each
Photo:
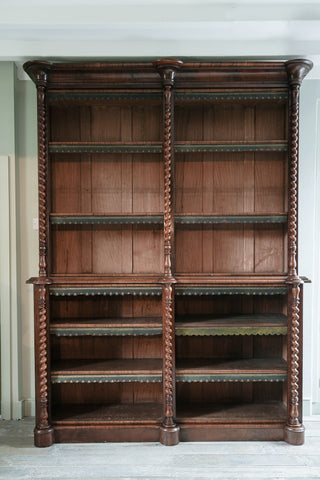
167,69
297,70
38,72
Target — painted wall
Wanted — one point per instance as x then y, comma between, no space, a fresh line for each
25,144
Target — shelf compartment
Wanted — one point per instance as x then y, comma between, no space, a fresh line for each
107,327
255,324
231,219
109,371
240,146
243,370
105,290
233,248
127,219
122,413
264,412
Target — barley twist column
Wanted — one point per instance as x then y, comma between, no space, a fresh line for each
294,430
43,432
169,431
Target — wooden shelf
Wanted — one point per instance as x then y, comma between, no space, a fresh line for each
109,326
157,219
243,370
124,413
269,412
179,147
229,290
109,219
255,324
91,280
243,218
231,279
107,371
150,371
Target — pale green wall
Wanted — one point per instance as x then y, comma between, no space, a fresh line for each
7,114
11,352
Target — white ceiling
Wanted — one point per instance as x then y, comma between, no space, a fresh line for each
102,29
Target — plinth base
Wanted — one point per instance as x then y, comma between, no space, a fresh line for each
294,435
169,435
43,437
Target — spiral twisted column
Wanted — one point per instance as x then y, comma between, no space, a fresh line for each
43,430
294,430
169,431
43,433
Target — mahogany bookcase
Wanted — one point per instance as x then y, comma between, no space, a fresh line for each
168,304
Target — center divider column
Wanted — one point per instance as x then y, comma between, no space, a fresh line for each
169,431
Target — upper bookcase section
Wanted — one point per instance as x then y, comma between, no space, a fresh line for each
85,78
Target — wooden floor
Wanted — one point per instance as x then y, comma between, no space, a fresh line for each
20,460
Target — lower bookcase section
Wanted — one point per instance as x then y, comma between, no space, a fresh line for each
135,422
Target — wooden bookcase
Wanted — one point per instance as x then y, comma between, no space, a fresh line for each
168,303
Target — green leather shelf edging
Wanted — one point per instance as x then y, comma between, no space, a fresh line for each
104,148
104,331
155,147
232,147
102,378
235,95
230,377
203,95
204,219
158,219
86,291
55,96
106,219
180,378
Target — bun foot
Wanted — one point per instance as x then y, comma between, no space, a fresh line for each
294,435
43,437
169,435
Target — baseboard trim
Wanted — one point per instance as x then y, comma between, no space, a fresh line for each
316,408
307,407
17,409
29,407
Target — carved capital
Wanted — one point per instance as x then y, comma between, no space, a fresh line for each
297,70
38,72
167,69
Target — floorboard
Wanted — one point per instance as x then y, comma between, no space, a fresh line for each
20,460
